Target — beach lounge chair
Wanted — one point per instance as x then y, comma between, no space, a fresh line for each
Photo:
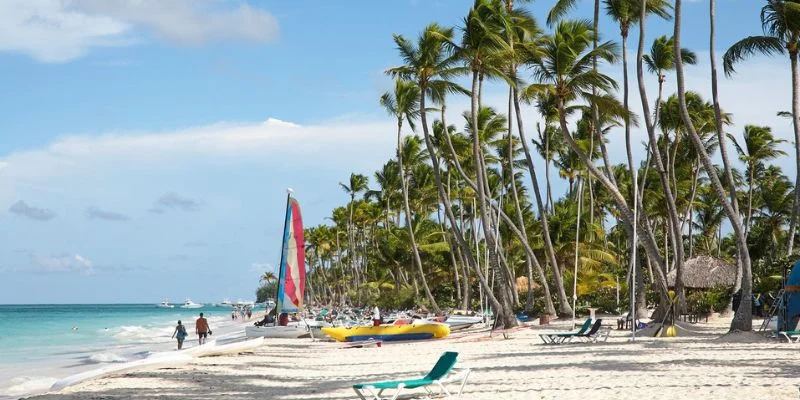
595,333
561,337
439,376
791,336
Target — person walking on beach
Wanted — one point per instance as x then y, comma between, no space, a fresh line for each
180,334
202,329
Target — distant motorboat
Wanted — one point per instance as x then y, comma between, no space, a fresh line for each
165,304
226,303
190,304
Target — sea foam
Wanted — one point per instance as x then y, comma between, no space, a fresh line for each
25,386
105,358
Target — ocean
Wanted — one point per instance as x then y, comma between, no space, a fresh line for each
40,344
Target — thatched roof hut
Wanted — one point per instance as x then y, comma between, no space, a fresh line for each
705,272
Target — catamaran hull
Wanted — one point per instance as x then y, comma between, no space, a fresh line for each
277,332
388,333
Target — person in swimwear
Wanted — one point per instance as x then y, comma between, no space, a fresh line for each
202,329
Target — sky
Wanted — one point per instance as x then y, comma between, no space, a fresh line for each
146,146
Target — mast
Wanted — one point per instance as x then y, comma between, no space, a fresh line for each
282,268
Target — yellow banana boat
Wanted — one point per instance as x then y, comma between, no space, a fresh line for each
388,332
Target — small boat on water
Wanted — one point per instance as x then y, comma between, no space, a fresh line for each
165,304
226,303
190,304
388,333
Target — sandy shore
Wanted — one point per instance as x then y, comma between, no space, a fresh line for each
702,365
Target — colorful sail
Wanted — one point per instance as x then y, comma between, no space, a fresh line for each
292,279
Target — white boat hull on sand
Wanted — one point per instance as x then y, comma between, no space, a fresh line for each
278,332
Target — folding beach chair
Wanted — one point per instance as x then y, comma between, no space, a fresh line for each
561,337
439,376
595,333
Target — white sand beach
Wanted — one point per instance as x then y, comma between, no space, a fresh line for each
703,365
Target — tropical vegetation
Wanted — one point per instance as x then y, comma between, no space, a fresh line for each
467,213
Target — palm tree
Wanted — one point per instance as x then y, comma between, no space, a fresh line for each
358,183
661,60
525,34
743,318
429,65
780,20
759,146
403,104
480,49
565,72
268,277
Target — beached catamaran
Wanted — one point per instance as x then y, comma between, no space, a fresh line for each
291,279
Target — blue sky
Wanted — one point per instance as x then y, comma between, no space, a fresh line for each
145,147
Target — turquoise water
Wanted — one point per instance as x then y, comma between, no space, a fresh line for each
39,345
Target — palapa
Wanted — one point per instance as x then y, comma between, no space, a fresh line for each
705,272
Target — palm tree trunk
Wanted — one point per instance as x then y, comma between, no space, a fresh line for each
550,203
564,308
743,318
625,212
505,314
548,302
737,285
672,209
796,125
449,240
409,224
448,206
528,264
750,178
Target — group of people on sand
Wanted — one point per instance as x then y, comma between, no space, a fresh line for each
201,328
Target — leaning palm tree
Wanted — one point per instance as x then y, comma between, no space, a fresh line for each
403,104
759,146
481,48
658,61
522,31
428,64
743,318
565,71
780,20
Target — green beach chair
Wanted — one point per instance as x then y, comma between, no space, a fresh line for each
596,333
791,336
561,337
439,376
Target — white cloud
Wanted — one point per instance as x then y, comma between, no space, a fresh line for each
49,31
62,263
176,202
96,213
261,267
188,21
56,31
73,160
22,209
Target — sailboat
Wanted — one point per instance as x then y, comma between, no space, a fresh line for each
291,278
